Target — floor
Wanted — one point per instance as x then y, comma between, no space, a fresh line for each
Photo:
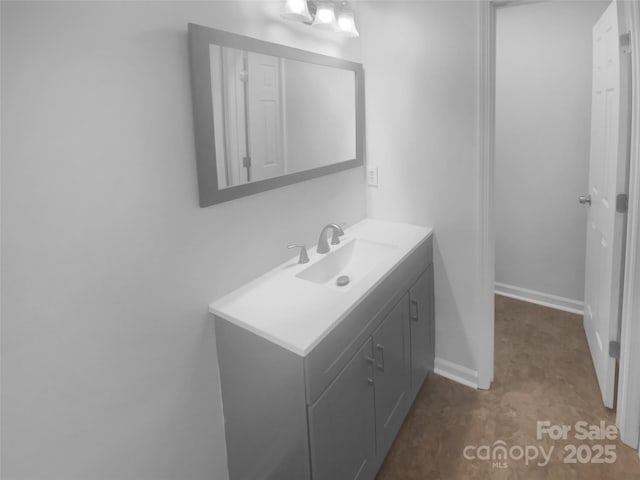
543,371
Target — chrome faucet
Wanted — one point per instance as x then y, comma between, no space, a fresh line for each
323,245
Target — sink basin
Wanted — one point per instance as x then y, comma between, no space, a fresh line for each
354,259
296,305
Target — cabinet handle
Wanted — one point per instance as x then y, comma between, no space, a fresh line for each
369,359
370,381
381,349
414,303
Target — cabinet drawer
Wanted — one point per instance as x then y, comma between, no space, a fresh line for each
330,356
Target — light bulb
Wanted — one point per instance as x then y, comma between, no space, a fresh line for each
325,17
347,24
296,10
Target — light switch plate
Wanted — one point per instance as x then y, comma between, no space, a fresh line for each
372,176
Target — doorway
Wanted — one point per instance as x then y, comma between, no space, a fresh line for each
629,405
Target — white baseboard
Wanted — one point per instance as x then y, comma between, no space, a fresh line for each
456,372
545,299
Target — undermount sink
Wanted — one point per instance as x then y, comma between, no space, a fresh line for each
354,260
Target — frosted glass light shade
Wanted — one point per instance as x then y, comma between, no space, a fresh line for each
325,17
347,24
296,10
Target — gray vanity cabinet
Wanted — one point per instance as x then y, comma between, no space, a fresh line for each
341,423
333,413
422,314
391,373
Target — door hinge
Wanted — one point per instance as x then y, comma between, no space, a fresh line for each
246,162
625,42
614,349
622,203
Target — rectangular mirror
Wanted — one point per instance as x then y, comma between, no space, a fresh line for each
267,115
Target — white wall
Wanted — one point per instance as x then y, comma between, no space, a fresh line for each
109,365
421,84
543,107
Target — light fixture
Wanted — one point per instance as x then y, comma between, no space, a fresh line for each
336,16
347,23
297,10
325,16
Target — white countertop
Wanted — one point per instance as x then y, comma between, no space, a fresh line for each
297,314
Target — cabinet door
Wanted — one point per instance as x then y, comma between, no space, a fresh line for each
422,313
391,374
341,423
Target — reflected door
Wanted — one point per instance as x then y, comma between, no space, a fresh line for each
265,133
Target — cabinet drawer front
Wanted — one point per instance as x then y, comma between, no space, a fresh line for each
330,356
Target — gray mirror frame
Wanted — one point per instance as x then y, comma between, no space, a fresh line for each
200,37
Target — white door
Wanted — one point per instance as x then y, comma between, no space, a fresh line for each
265,117
607,178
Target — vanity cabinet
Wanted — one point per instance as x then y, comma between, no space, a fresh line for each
332,413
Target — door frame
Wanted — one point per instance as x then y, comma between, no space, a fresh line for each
628,407
628,412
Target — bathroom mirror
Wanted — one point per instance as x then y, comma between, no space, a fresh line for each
267,115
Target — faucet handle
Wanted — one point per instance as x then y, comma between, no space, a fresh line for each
304,257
